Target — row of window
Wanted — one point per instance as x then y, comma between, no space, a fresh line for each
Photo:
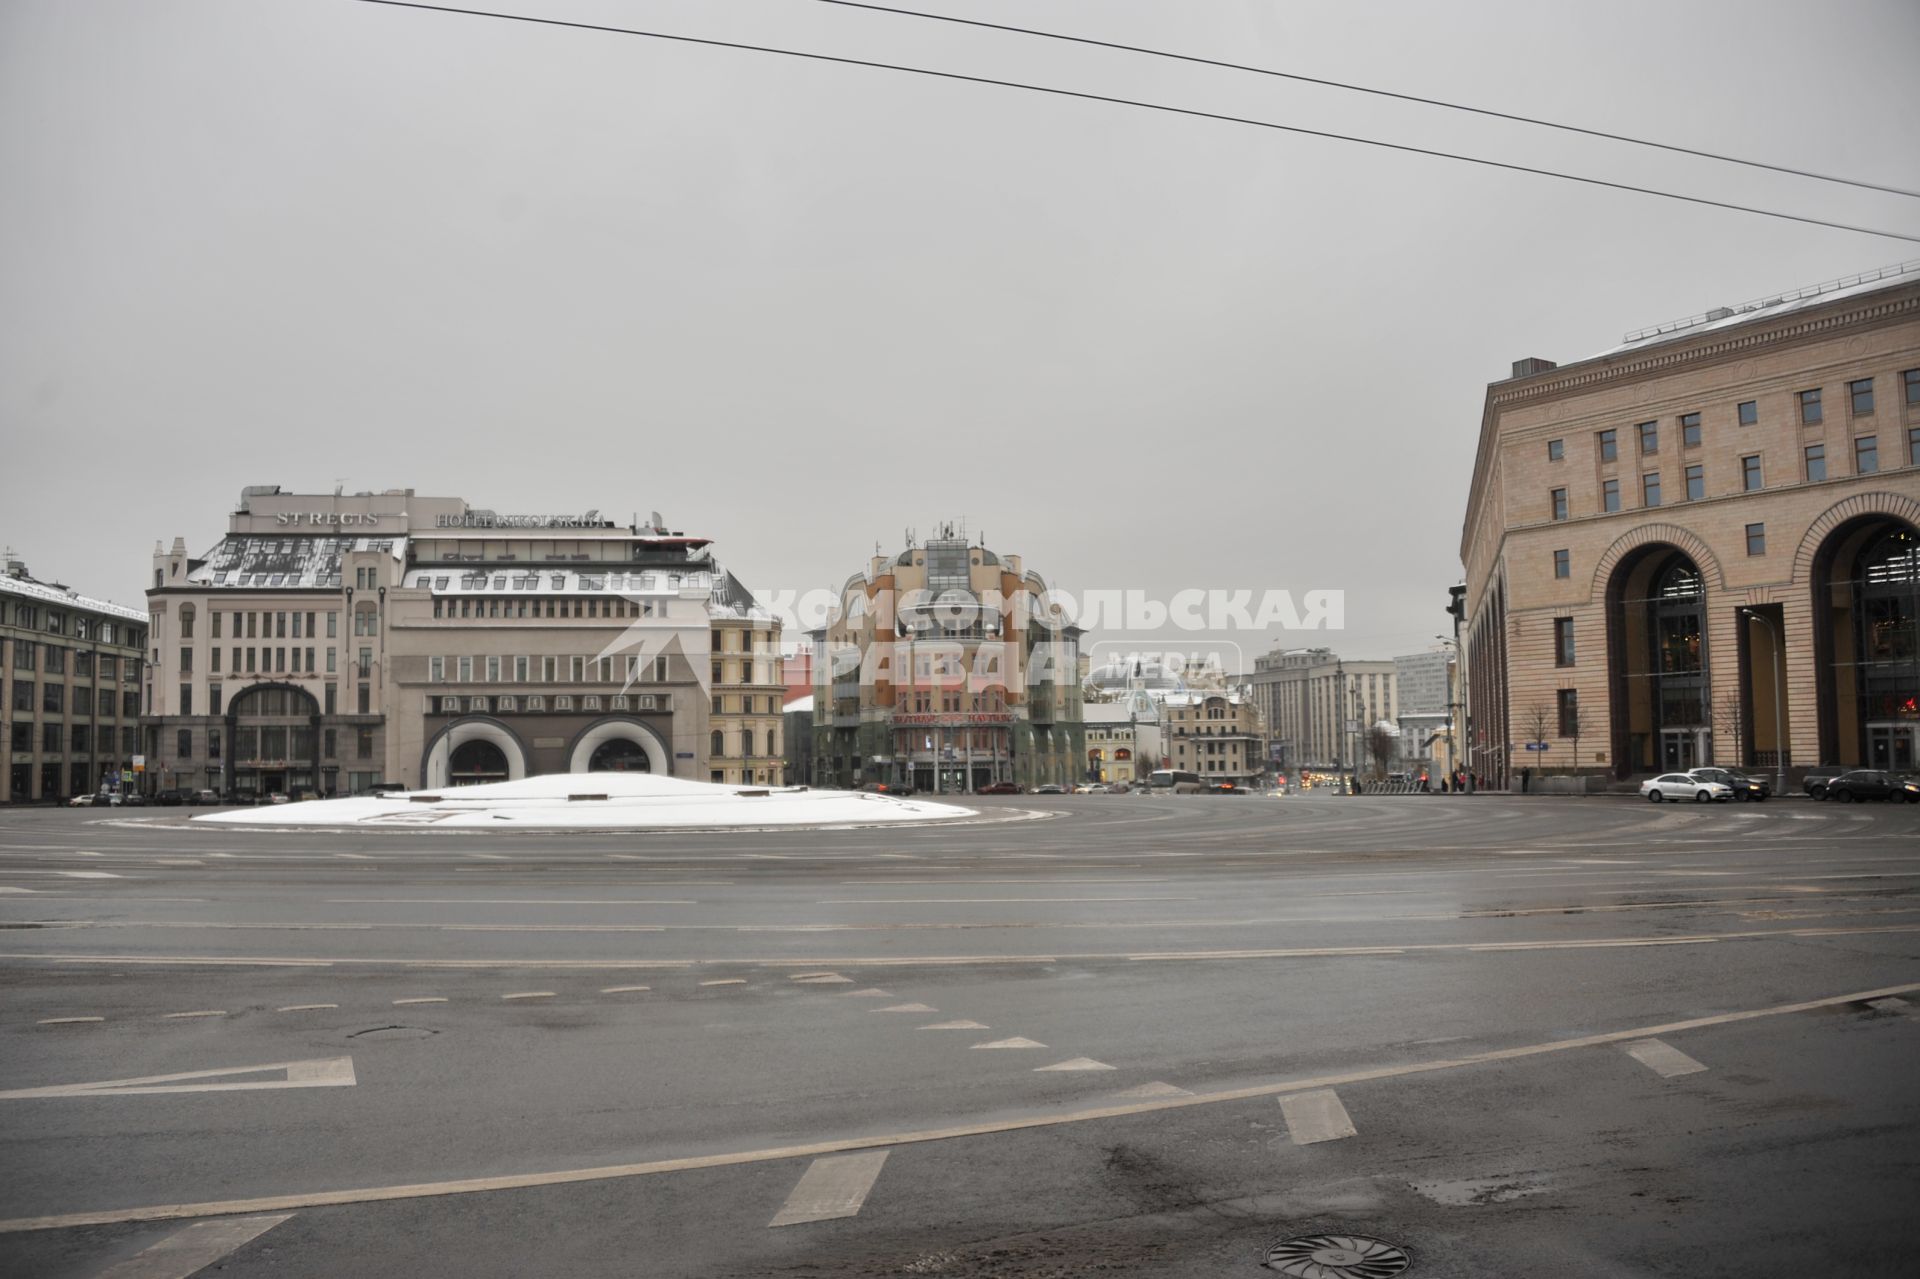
250,660
745,704
1866,461
52,658
363,703
537,703
717,744
53,699
260,625
273,742
28,618
728,641
79,739
543,607
549,669
529,581
1812,413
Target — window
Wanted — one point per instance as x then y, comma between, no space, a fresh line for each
213,743
1689,430
519,670
1649,438
186,699
213,699
329,740
436,670
363,743
493,670
1558,498
1609,446
333,625
718,744
22,737
1911,379
186,621
1749,412
1556,449
1756,539
1610,495
215,664
1650,489
186,660
1866,455
364,695
23,654
1562,564
1750,473
332,699
82,700
1563,641
1696,482
1816,455
56,660
1860,397
50,738
1810,408
183,744
1913,446
1569,712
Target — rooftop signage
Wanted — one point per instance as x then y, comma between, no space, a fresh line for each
487,519
327,519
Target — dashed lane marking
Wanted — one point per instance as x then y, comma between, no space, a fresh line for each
905,1008
622,990
198,1012
189,1251
1661,1058
304,1008
985,901
832,1187
1316,1116
957,1025
421,999
1075,1063
529,994
725,981
68,1021
323,1072
1015,1042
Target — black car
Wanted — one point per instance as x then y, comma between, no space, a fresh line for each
173,798
1870,783
1815,782
1744,786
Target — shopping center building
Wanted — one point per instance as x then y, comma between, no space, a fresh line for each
1703,545
945,668
70,708
331,643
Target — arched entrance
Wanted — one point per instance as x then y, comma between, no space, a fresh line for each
271,730
619,755
633,745
1657,659
477,761
1866,595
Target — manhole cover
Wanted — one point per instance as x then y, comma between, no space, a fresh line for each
393,1032
1336,1257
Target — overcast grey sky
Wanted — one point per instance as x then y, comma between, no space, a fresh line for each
800,307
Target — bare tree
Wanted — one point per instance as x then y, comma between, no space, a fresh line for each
1381,745
1536,719
1730,724
1570,727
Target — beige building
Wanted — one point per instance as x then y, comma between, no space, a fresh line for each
71,668
1316,705
1123,736
331,643
1220,736
1700,546
945,668
746,737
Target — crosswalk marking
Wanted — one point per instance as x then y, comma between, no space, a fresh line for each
1662,1058
831,1187
189,1251
1076,1063
1316,1116
1015,1042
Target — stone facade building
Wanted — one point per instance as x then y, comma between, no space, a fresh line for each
944,668
333,643
1700,546
1316,704
1220,736
71,667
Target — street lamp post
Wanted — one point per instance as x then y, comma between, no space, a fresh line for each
1779,695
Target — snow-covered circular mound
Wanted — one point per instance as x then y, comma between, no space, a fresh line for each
595,801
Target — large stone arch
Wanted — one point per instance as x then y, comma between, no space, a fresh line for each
1637,710
437,755
1647,535
1832,540
1893,505
617,728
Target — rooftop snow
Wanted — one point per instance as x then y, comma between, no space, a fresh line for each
27,588
284,563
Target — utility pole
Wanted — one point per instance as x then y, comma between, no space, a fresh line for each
1457,609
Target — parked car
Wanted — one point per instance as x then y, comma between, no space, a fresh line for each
1870,783
1120,788
205,797
1815,783
1228,788
1050,788
83,801
1088,788
1681,786
887,788
172,797
133,799
275,797
1745,786
998,788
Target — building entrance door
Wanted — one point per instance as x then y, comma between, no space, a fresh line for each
273,783
1679,749
1893,746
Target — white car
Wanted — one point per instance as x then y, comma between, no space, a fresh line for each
1680,786
85,800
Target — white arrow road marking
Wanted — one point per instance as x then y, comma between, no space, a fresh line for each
1662,1058
956,1025
188,1252
321,1072
1154,1089
1012,1043
1891,1004
832,1187
1316,1116
1076,1063
906,1008
871,992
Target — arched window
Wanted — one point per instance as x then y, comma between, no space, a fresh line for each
719,743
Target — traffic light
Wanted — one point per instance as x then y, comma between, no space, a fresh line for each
1457,602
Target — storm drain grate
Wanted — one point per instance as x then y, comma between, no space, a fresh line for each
1336,1257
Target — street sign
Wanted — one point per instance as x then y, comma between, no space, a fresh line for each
139,763
1536,746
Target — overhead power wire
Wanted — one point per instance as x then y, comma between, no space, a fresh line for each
1146,106
1381,93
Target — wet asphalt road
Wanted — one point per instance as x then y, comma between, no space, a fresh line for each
628,1055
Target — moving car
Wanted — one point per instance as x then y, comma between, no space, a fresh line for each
1179,781
1088,788
172,797
1815,783
999,788
1870,783
205,797
1050,788
1745,786
887,788
1681,786
84,801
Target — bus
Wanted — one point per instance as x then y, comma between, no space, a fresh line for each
1174,780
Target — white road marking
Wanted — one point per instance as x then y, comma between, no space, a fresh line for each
833,980
304,1008
985,901
510,901
1154,1089
422,999
905,1008
1661,1058
1891,1004
67,1021
1316,1116
873,1141
831,1188
622,990
957,1025
201,1012
189,1251
726,981
1075,1063
529,994
1015,1042
871,992
324,1072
